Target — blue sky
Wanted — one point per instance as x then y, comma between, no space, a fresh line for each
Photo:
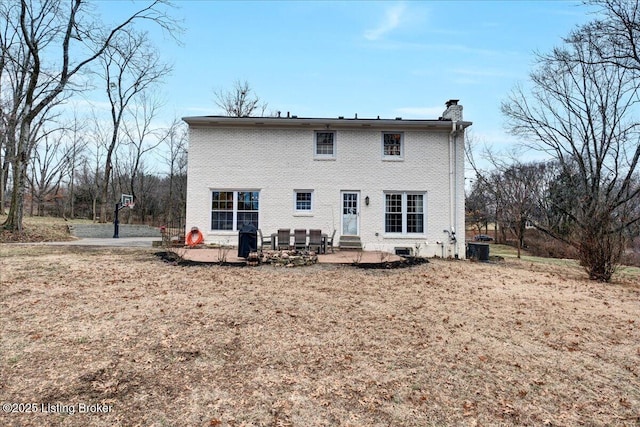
392,59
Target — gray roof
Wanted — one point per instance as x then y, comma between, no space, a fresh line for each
318,123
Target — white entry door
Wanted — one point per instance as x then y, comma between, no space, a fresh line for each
350,213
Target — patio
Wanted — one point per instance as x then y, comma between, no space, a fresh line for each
214,255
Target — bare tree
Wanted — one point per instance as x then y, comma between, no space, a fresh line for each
35,36
512,190
4,165
75,133
176,159
10,85
615,36
141,137
580,112
98,135
130,67
520,186
240,101
478,205
51,163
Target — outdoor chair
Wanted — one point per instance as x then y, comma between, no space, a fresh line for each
284,238
330,241
264,242
315,240
300,238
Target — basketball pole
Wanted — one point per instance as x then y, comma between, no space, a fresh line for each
116,222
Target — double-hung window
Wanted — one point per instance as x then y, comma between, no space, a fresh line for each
415,213
325,145
230,210
303,201
404,213
393,213
392,145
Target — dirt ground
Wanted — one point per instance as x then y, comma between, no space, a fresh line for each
117,337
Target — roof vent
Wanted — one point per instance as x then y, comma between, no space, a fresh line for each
451,102
341,117
398,118
294,117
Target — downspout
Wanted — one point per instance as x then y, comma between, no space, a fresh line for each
453,187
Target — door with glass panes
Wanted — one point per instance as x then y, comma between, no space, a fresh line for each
350,213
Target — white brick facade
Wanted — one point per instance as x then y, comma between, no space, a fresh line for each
275,156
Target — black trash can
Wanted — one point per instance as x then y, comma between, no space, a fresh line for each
247,240
479,251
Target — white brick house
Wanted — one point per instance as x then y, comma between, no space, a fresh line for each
393,183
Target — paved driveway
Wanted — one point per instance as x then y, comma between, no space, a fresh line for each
128,242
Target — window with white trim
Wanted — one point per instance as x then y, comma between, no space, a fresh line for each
230,210
392,145
404,212
303,201
325,144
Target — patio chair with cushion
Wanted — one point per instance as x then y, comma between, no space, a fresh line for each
315,240
330,241
284,238
264,242
300,238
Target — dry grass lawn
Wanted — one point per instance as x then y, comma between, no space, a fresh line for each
445,343
39,229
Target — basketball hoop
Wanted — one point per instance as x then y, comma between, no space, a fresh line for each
126,201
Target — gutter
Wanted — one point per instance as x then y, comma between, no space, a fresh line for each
453,186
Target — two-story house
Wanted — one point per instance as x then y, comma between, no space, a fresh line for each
392,184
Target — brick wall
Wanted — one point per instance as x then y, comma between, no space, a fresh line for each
278,161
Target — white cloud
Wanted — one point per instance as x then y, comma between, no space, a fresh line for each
393,17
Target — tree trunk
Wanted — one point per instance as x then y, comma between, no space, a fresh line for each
71,182
169,215
11,222
104,202
3,180
31,202
20,163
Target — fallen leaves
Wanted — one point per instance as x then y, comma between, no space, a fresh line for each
469,408
442,344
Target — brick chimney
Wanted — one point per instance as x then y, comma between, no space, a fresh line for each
453,111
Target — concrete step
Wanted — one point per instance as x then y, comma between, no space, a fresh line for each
352,243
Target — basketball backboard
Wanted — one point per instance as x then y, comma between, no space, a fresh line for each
126,200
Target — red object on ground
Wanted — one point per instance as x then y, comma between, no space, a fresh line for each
195,237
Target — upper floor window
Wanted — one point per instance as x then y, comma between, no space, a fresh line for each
325,144
392,145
